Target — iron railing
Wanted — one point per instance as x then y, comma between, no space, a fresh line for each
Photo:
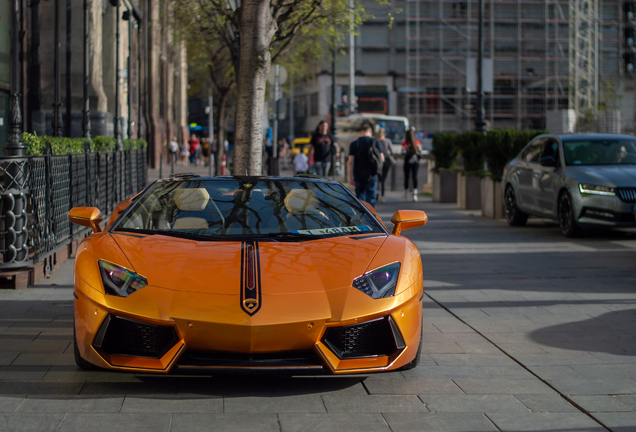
37,192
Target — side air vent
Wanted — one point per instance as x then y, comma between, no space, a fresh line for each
379,337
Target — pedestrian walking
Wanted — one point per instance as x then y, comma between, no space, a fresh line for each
205,151
411,149
322,149
194,149
301,163
389,160
364,164
173,149
185,153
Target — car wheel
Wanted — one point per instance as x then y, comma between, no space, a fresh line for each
79,361
514,215
567,221
413,363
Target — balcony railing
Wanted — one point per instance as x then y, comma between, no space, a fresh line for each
37,192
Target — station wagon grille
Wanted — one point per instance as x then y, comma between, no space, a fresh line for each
626,194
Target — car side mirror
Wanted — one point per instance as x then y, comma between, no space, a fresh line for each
86,216
407,219
548,161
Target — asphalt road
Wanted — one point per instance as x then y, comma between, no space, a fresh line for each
524,331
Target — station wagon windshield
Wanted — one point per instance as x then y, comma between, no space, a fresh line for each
599,151
218,209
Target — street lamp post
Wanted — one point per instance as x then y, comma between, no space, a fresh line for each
128,17
57,108
15,146
140,122
333,88
86,121
118,145
480,123
69,113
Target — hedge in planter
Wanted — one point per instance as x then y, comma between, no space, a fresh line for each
100,144
501,146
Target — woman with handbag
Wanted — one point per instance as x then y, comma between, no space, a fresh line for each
389,160
411,149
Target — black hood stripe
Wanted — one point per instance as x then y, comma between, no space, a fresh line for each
250,263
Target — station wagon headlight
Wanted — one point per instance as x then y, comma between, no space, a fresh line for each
379,283
589,189
119,281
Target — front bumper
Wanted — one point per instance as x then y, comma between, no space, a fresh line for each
158,330
610,211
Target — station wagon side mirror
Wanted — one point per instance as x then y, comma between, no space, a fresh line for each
548,161
86,216
407,219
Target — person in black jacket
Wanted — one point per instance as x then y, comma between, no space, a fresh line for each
359,167
323,148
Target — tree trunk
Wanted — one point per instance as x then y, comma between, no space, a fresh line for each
222,122
257,28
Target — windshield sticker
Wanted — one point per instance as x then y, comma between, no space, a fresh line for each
335,230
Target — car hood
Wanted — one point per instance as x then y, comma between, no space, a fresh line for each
605,175
214,266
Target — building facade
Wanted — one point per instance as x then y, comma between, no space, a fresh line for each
143,72
421,65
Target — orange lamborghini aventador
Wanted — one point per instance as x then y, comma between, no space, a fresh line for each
264,273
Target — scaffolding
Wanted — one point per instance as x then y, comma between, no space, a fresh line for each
530,44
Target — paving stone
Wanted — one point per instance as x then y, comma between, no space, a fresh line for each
77,404
473,403
553,359
9,404
534,422
451,372
30,422
168,404
511,372
22,373
522,348
413,387
556,372
472,360
6,358
601,403
546,403
162,386
503,386
44,359
618,421
79,422
371,403
628,400
438,422
354,422
310,403
73,373
594,386
39,388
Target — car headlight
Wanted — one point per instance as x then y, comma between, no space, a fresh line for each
119,281
596,190
379,283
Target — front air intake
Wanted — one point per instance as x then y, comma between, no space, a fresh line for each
379,337
122,336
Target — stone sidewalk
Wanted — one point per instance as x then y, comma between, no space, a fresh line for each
524,331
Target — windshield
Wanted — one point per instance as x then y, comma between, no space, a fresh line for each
395,130
232,208
597,151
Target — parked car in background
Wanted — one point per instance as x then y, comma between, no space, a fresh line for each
580,180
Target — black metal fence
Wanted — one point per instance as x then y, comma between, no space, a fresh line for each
37,192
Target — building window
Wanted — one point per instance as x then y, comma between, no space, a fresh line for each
313,104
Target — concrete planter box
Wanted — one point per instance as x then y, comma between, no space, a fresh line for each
491,199
445,187
468,192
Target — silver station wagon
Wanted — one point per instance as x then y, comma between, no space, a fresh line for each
579,180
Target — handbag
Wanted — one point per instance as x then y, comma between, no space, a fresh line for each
414,159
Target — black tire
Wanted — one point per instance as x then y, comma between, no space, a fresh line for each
79,361
413,363
514,216
567,221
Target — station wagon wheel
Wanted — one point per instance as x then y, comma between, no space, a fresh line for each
567,223
514,215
